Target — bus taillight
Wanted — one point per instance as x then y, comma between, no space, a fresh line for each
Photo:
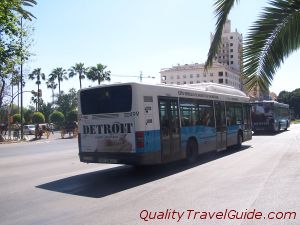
139,139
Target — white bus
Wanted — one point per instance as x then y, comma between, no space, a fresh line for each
144,124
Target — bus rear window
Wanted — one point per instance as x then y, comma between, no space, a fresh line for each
106,100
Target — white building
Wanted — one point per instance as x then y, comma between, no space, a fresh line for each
230,52
226,68
195,73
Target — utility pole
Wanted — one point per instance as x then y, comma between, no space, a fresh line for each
21,80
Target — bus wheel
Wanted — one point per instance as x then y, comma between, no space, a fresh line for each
192,151
287,125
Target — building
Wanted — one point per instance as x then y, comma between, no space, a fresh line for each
195,73
226,68
230,52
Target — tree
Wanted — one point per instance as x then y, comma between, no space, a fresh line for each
67,102
38,117
38,76
98,73
57,118
16,118
52,85
72,116
12,48
79,70
271,39
46,109
59,74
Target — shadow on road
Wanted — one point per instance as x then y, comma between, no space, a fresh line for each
268,133
106,182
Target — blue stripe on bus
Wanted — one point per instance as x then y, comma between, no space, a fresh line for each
201,133
151,142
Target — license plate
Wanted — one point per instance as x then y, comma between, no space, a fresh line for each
110,161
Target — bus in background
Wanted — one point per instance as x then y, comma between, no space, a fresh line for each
270,116
143,124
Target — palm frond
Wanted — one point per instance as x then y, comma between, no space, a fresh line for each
272,38
222,9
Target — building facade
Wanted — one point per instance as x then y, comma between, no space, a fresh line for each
195,73
226,68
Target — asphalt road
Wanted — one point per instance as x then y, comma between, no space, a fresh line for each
43,182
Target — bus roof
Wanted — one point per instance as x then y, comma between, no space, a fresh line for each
211,88
271,101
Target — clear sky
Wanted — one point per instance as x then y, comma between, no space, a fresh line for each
130,36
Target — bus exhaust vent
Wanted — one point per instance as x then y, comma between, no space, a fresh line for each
148,98
105,116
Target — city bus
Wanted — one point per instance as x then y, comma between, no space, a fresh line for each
143,124
270,116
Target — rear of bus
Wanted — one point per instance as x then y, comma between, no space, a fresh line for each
109,126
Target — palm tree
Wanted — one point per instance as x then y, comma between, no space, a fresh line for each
78,69
38,76
59,74
97,73
271,39
51,84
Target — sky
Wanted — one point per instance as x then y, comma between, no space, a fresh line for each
133,36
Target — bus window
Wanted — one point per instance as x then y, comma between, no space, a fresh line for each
112,99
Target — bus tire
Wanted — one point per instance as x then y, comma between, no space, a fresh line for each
192,151
286,126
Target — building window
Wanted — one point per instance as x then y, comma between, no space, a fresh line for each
178,83
204,75
198,75
191,82
220,73
211,74
184,76
231,37
220,81
184,82
226,81
231,62
231,44
231,56
226,74
163,78
191,75
231,50
198,81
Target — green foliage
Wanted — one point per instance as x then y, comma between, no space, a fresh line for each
16,118
38,117
291,98
57,118
58,74
67,102
271,39
46,109
72,116
79,70
12,49
28,114
98,73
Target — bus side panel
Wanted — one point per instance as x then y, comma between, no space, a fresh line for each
205,136
232,134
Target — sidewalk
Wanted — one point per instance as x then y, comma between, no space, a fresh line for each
31,138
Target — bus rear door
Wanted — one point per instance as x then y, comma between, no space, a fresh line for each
169,129
220,125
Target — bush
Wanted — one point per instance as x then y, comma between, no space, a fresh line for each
38,117
57,118
17,118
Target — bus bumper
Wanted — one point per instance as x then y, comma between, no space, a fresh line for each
150,158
